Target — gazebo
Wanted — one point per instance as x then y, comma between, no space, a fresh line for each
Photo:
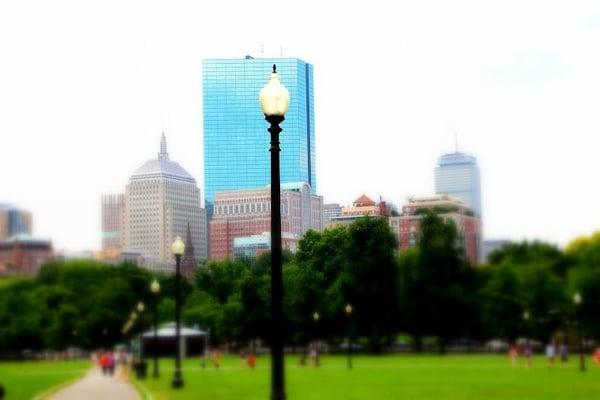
192,341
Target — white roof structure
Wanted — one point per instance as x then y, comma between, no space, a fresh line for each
168,331
162,167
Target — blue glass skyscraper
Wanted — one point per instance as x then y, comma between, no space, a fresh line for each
236,141
457,174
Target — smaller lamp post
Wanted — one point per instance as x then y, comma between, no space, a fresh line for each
155,289
527,351
526,317
177,248
577,300
348,310
140,309
316,317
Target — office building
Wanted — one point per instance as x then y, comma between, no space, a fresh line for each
161,200
247,212
113,220
236,141
457,175
14,221
406,227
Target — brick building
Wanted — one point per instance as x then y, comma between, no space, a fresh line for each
23,255
247,212
406,226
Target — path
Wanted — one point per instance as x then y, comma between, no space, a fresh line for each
95,386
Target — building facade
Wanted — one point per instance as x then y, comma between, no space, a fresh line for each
247,212
236,141
361,207
113,221
406,227
23,255
457,175
251,247
14,221
161,199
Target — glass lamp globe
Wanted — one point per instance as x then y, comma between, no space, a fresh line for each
178,247
577,298
155,287
526,315
348,308
140,307
316,316
274,98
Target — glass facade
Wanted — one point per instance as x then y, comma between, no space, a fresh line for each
457,174
236,141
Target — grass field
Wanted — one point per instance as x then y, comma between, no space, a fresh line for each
387,377
25,380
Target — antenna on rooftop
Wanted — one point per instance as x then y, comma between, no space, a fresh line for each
262,49
456,142
281,50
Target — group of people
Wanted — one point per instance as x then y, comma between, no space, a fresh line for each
113,363
553,353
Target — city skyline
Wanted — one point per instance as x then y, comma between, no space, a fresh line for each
80,88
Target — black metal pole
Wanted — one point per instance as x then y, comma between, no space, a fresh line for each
581,353
277,331
155,339
177,379
349,343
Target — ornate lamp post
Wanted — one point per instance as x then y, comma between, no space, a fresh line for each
274,99
577,300
155,290
348,310
177,248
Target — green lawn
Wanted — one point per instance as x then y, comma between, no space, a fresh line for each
25,380
387,377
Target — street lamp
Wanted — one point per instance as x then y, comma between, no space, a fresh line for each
577,300
274,99
177,248
348,310
527,352
155,289
316,318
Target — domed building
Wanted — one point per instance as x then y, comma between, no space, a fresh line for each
161,201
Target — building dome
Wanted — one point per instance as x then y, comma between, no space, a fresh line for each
162,167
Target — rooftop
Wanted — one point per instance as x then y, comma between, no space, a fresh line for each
162,166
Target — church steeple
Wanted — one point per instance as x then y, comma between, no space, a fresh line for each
163,155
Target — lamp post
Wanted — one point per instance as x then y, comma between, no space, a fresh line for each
526,317
155,290
316,318
140,309
348,310
577,300
177,248
274,99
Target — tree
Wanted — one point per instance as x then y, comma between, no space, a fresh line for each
503,300
370,280
440,281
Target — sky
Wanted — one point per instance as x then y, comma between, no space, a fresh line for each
87,87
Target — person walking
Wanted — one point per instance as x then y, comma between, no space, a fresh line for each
550,354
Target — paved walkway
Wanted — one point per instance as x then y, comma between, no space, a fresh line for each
95,386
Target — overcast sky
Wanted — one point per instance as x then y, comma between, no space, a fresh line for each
86,88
